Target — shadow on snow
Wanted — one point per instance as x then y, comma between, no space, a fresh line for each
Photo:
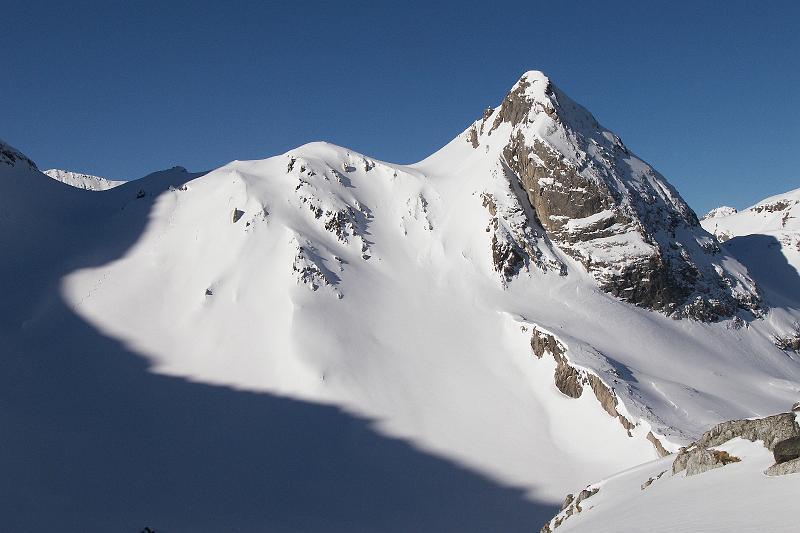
93,441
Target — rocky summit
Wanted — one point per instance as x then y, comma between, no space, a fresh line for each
607,208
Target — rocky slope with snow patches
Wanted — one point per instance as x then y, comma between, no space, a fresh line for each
740,476
82,181
607,208
477,305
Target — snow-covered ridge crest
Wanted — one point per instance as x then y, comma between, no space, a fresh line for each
607,208
721,211
12,157
82,181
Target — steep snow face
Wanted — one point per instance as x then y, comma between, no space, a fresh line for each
82,181
607,208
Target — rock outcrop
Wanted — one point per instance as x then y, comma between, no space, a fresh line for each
572,382
773,431
571,506
607,208
787,450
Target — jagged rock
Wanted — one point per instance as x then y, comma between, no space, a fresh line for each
568,499
542,343
782,469
473,137
704,460
662,452
567,378
652,479
770,430
607,399
571,381
787,450
506,258
236,215
571,507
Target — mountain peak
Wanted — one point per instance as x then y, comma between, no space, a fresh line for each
604,206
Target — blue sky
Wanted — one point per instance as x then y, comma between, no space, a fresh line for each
707,92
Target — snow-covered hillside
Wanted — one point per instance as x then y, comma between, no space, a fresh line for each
735,486
82,181
364,346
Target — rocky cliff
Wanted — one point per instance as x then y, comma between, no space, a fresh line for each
607,208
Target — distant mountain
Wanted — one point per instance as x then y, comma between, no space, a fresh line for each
766,238
721,211
529,309
777,215
82,181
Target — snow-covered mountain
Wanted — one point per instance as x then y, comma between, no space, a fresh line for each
777,215
721,211
527,310
766,238
605,207
82,181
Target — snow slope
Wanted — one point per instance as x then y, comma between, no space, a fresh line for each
735,497
82,181
327,290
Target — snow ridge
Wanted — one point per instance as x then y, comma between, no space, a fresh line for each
82,181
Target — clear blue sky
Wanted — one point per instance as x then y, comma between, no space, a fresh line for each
708,92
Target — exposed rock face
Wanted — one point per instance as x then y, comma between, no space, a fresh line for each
787,450
704,460
608,209
782,469
662,452
571,381
772,430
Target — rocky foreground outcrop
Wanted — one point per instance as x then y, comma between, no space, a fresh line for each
779,434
